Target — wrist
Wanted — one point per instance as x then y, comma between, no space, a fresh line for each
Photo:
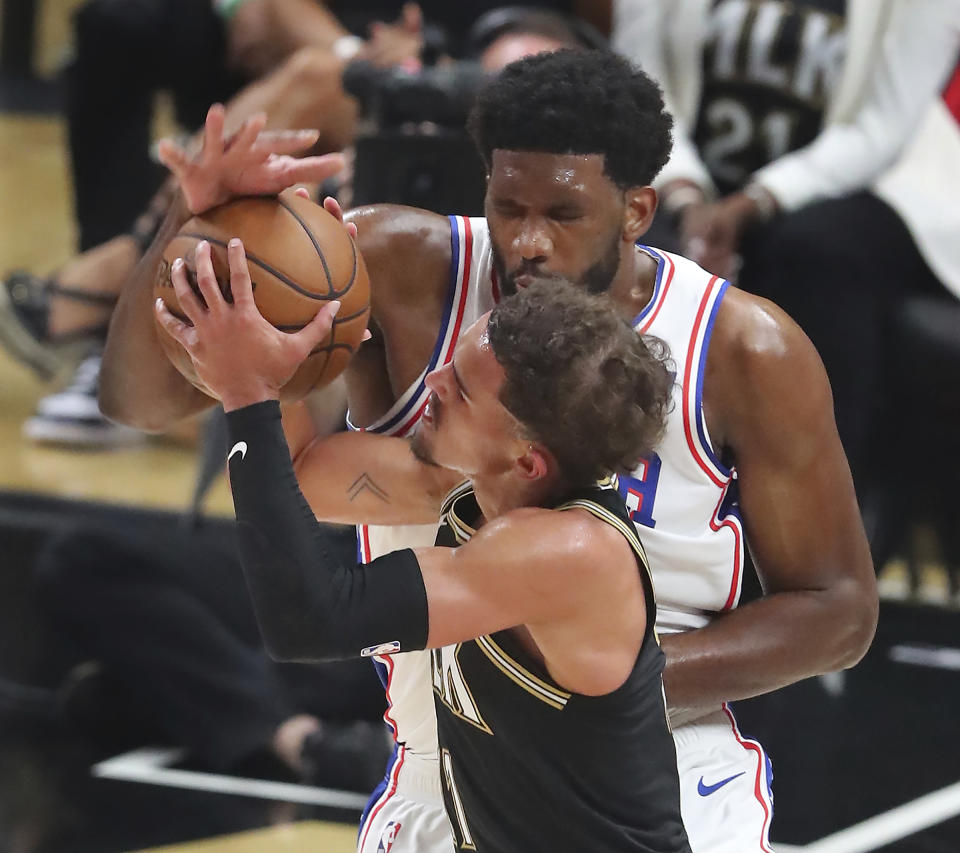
677,196
764,204
241,398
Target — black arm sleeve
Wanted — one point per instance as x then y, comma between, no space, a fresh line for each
309,605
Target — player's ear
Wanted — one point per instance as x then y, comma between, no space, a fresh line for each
535,462
641,204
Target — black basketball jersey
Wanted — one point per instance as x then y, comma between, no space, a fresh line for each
527,765
769,69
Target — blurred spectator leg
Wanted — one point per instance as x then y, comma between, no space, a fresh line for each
127,50
171,622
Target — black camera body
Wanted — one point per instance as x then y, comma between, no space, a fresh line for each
413,147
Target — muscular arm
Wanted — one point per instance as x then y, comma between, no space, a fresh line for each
138,384
407,252
361,477
530,567
769,400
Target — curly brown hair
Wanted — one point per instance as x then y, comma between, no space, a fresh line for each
579,378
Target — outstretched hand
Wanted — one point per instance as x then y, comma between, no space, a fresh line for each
252,162
235,351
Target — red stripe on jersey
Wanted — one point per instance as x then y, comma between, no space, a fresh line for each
391,790
457,323
687,389
387,661
951,95
663,294
467,258
757,789
734,525
414,418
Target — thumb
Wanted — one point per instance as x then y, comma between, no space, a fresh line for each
319,327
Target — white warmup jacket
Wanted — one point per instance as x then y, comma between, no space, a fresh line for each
885,126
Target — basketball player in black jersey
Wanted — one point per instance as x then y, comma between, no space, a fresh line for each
766,402
547,669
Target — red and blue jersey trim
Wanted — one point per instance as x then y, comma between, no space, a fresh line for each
661,286
726,513
405,413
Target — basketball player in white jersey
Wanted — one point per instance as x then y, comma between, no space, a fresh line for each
572,142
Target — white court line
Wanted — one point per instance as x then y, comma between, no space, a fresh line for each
884,829
940,657
152,767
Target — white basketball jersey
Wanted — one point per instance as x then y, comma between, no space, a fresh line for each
406,676
683,499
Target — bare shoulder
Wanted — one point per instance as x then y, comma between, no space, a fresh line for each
572,540
764,377
405,249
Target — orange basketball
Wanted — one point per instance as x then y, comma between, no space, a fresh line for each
299,257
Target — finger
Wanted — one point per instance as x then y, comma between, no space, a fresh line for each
366,336
172,156
332,206
213,132
319,327
302,192
286,141
177,329
207,277
247,135
240,284
308,169
189,303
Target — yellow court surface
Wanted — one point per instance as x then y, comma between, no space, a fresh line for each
304,837
38,236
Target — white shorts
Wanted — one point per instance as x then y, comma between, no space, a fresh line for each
725,796
406,812
725,786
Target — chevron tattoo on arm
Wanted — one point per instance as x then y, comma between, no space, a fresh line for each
365,483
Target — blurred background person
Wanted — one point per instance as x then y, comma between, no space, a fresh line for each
815,163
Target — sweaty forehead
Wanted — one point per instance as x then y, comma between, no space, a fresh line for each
578,173
476,365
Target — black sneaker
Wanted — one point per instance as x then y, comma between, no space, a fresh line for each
72,416
24,315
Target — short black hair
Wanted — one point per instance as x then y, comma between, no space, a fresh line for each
576,102
579,379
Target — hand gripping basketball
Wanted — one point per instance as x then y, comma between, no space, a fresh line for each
236,353
299,256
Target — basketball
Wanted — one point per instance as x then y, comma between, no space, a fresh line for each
299,257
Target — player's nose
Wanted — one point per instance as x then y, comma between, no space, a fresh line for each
532,241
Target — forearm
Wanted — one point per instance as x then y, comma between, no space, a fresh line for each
138,384
765,645
310,606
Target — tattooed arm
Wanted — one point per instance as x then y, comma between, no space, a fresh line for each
361,477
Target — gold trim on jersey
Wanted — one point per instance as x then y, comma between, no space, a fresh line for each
462,531
453,495
520,675
447,691
628,530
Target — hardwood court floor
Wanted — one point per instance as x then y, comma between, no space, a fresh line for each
36,233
